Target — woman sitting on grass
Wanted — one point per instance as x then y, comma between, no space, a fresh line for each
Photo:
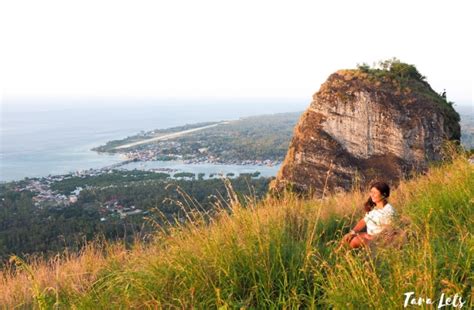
379,213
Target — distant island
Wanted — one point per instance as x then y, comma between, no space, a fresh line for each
257,140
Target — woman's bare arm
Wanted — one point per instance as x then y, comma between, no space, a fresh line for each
359,226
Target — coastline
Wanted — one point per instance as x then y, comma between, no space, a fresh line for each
170,170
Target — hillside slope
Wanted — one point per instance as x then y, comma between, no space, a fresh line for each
275,253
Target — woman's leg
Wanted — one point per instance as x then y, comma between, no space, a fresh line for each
361,239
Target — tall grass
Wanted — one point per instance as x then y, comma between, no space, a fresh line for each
273,254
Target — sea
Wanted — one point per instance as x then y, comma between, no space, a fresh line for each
54,136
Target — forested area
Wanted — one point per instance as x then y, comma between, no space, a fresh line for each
26,228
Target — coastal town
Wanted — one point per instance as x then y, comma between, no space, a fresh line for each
45,196
201,158
172,150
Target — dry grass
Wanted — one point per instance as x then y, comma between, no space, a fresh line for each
274,253
25,282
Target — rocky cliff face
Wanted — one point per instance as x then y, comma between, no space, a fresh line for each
366,125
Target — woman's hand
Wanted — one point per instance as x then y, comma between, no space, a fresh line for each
346,240
348,237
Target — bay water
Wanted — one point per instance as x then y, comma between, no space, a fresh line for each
39,137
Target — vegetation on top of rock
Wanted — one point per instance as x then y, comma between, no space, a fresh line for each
405,77
394,69
396,79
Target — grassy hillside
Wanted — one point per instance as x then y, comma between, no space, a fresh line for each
273,254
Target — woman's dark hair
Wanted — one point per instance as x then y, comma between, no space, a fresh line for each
384,189
369,205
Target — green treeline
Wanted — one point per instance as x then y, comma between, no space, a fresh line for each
27,229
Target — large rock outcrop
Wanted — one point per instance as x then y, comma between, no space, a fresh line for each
366,124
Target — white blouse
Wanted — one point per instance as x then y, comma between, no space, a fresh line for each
378,218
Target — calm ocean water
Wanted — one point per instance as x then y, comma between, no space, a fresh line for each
42,137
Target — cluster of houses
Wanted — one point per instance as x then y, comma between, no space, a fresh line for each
201,158
46,196
114,207
216,160
155,152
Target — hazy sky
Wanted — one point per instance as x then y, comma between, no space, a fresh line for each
225,48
